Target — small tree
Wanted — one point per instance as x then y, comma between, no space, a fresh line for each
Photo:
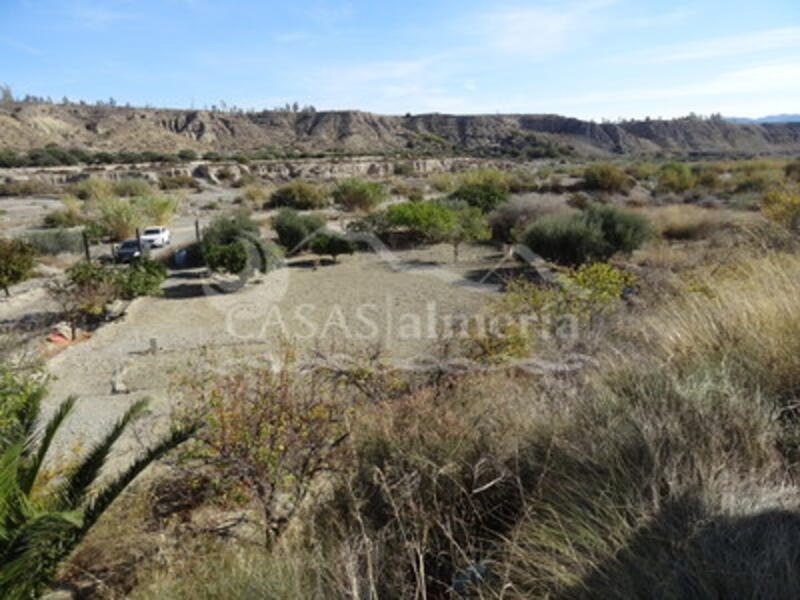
469,225
17,258
269,433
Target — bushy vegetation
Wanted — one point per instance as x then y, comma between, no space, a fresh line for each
606,177
299,195
233,244
510,218
178,182
675,177
129,187
17,258
484,195
594,234
356,194
55,241
782,206
331,244
55,156
295,230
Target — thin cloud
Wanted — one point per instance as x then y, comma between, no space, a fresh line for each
95,16
537,31
22,47
746,43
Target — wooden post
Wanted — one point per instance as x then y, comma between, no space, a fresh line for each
197,229
139,239
86,246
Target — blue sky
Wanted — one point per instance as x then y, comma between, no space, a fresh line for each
586,58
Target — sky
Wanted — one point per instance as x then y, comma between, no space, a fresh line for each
595,59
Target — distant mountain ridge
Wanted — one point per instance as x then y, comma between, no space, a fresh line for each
26,125
785,118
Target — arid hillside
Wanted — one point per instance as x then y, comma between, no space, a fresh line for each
29,125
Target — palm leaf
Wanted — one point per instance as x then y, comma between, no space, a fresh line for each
77,486
30,472
110,492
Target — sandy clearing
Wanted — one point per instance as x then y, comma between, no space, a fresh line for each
249,324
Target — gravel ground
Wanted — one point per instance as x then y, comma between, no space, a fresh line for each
398,300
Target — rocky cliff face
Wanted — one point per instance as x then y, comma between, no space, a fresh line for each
25,126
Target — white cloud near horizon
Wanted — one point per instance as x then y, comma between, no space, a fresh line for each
732,45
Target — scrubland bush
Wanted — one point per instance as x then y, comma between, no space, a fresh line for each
157,210
331,244
299,195
755,181
294,230
412,191
642,171
253,196
55,241
518,213
675,177
233,244
688,222
485,196
17,258
92,188
29,187
443,182
792,170
594,234
430,220
359,194
782,206
177,182
128,187
606,177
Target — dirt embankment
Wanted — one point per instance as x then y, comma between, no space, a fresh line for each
114,128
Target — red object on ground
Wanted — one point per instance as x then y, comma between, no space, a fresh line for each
58,338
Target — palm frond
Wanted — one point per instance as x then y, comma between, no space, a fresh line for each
77,485
32,555
110,492
28,475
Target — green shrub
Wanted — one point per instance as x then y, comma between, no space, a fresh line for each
333,244
485,196
55,241
606,177
156,210
294,229
233,244
142,278
675,177
595,234
566,238
623,230
299,195
429,219
63,218
178,182
782,206
92,188
510,217
187,155
128,187
17,258
359,194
